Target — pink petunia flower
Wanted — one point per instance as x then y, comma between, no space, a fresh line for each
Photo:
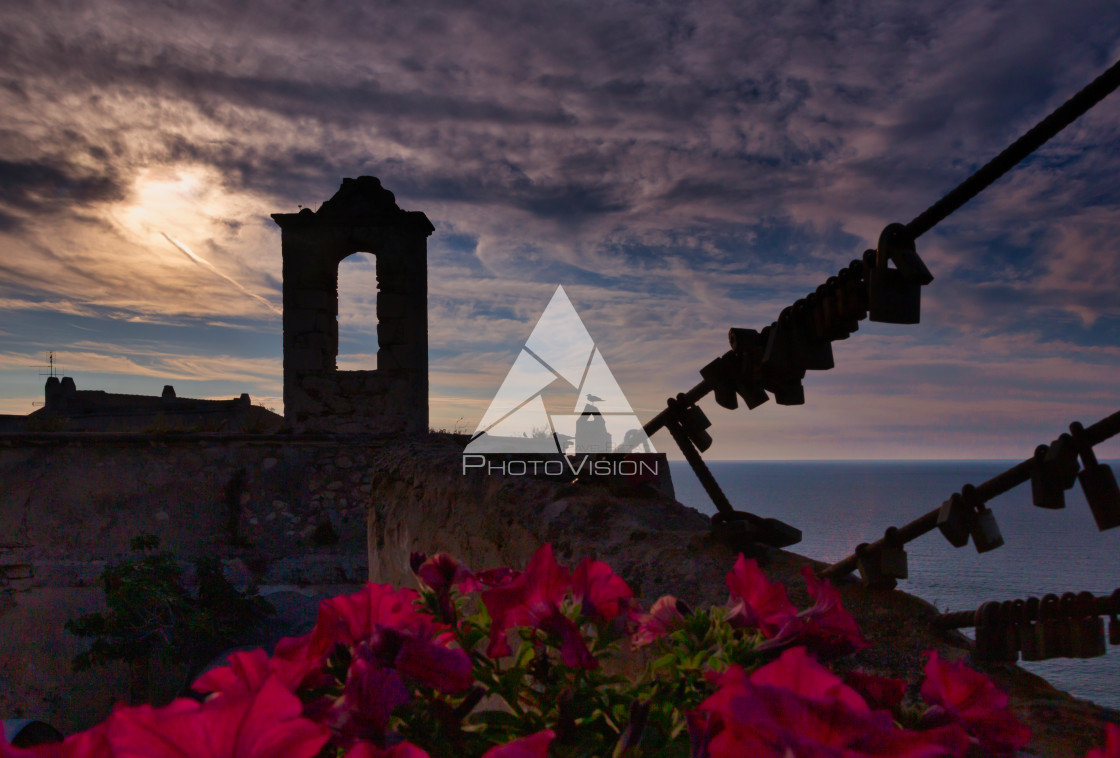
600,593
962,695
92,743
1111,747
400,750
664,618
824,627
879,691
756,602
533,746
794,706
267,724
533,600
368,699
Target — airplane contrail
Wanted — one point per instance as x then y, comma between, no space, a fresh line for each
208,265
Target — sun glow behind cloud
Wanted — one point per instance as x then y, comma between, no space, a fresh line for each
699,171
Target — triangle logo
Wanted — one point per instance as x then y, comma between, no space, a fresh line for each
559,349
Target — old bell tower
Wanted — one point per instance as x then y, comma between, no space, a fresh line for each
392,399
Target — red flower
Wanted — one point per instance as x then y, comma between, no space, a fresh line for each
1111,747
446,669
825,627
757,603
368,699
92,743
488,579
794,706
249,670
878,691
600,593
441,571
350,619
961,695
533,746
533,599
664,618
400,750
267,724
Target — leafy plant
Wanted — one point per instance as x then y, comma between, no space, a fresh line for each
152,614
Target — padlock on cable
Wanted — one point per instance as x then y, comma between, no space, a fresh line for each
843,325
747,345
895,294
1046,491
1113,621
1015,632
781,379
954,519
1049,628
1097,482
870,568
846,301
892,555
830,313
810,352
1068,612
692,421
1008,635
984,529
721,375
1088,632
778,353
857,289
990,645
1028,630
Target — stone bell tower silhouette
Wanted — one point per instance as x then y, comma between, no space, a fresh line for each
393,398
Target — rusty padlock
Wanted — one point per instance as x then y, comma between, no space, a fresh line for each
692,421
722,376
1049,628
1028,630
1068,612
810,352
895,294
987,637
814,314
856,290
984,529
1097,482
1046,492
846,304
955,520
748,345
830,312
1088,632
869,563
842,324
1113,621
892,555
778,353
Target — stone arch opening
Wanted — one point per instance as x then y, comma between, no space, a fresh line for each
356,318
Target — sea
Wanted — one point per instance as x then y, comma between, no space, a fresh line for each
839,504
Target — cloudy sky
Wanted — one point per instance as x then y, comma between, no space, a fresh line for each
680,167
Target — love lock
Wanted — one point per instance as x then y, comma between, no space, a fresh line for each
1010,638
778,353
870,568
1049,628
855,289
830,311
846,306
1028,630
955,520
895,295
721,375
693,421
1045,490
842,323
815,318
892,555
984,529
783,380
1097,482
1088,630
747,345
1016,631
1067,611
1113,622
809,351
986,623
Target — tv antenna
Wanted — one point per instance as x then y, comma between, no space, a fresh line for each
49,366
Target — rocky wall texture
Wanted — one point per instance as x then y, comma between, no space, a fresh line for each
422,501
282,514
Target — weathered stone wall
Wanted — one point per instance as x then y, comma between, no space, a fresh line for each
266,506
